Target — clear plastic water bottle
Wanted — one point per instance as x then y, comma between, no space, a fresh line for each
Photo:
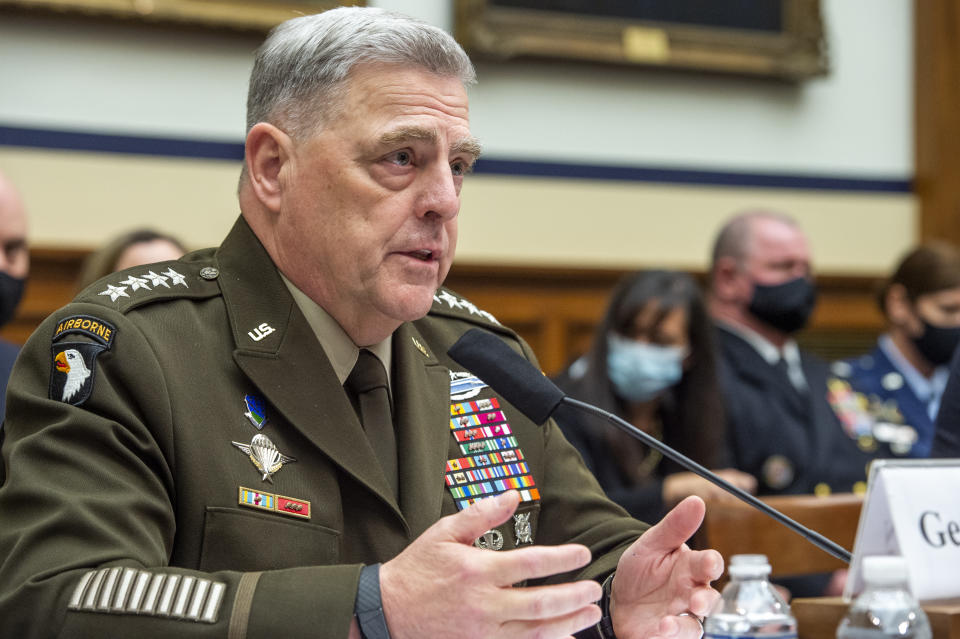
885,608
749,606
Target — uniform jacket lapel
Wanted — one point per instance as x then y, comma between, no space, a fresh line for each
421,391
288,364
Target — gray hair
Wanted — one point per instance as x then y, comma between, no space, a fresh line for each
733,240
300,70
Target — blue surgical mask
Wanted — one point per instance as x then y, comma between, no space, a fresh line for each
641,371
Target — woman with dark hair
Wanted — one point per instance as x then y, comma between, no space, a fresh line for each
140,246
901,381
652,362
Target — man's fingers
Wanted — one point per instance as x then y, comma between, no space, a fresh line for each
473,521
676,527
708,565
701,601
547,602
679,627
534,562
557,627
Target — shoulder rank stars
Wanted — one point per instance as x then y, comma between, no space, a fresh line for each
144,281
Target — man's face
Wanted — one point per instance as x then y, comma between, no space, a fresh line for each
776,253
14,254
368,221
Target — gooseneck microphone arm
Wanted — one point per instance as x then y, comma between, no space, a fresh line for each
818,540
520,383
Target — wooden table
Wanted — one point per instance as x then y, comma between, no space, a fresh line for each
818,618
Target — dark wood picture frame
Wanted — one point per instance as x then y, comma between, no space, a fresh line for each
493,31
254,15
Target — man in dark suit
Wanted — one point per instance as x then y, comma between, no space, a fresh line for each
782,425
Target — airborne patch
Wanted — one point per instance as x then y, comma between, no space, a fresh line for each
72,369
88,325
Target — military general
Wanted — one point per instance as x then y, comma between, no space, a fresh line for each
268,438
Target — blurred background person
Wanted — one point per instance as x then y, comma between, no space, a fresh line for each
902,379
140,246
652,363
781,425
14,269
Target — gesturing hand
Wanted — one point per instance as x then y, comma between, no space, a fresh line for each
659,577
441,585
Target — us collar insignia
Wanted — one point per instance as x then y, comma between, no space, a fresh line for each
420,347
255,411
264,455
73,364
274,503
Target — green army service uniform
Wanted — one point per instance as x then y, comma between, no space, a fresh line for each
138,502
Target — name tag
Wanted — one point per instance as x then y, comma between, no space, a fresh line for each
912,509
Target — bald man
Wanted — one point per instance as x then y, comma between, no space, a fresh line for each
781,424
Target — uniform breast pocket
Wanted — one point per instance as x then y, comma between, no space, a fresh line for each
239,540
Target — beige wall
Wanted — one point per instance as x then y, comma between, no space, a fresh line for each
79,199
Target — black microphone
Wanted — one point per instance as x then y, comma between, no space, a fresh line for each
533,394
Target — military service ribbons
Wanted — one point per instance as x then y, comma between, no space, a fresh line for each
492,462
274,503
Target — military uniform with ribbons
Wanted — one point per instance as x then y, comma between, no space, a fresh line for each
181,460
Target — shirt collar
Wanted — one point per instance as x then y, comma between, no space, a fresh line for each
924,388
767,350
339,348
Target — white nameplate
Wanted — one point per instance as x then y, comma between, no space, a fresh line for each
912,509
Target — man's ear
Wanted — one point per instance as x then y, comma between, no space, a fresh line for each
267,150
727,285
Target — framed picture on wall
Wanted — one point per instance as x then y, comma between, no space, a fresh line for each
774,38
259,15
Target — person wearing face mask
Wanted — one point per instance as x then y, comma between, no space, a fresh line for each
782,426
14,267
651,362
901,381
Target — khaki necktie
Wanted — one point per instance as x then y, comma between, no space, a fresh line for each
367,384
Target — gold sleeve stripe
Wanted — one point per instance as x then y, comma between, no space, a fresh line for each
127,591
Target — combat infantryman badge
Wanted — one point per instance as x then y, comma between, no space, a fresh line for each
264,456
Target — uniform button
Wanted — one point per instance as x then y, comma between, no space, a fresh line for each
209,273
860,488
821,490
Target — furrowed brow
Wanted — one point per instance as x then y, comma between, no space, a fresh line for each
470,146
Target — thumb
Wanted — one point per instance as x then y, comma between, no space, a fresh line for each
473,521
676,527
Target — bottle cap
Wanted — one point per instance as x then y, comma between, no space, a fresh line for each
884,570
749,566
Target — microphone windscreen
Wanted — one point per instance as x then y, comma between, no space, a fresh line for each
510,374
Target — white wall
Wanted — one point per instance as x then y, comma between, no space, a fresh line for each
109,77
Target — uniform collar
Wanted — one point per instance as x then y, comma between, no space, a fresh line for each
340,349
926,389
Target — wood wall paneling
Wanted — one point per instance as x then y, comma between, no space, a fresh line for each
937,118
554,309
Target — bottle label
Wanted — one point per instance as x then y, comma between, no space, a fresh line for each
789,635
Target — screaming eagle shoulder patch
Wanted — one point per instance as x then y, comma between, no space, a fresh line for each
73,364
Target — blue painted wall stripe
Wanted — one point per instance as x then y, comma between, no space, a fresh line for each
206,149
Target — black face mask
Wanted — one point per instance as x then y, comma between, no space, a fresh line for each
937,343
786,306
11,290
